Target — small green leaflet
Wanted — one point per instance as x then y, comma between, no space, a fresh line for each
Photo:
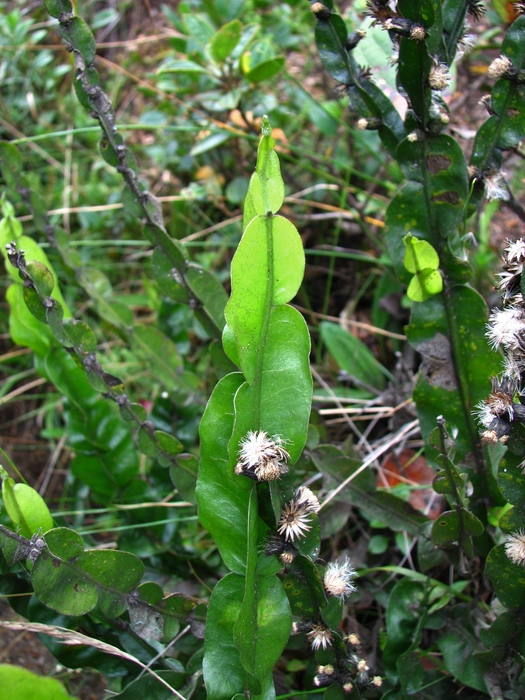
422,261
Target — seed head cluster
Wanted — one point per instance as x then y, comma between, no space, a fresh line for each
262,458
506,330
352,672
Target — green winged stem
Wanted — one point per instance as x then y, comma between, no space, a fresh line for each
270,343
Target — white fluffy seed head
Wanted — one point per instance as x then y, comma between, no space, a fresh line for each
295,519
320,637
338,579
500,67
515,547
417,32
496,187
506,327
439,77
261,457
515,251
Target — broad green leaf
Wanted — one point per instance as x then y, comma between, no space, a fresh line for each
458,647
263,627
26,330
210,142
304,587
285,372
224,675
225,40
209,291
168,443
146,443
413,71
405,608
222,496
161,353
353,356
331,36
19,684
98,286
58,7
507,578
41,277
430,212
454,525
80,336
12,164
275,245
26,508
230,346
33,252
183,474
167,276
72,582
511,478
513,519
80,36
181,66
265,70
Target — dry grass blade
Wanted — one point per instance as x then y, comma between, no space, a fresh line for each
70,637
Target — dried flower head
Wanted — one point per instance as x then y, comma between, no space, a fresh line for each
439,77
276,544
328,670
324,675
295,516
489,437
486,101
362,666
515,547
496,187
320,636
320,11
418,32
379,10
515,251
509,284
500,402
338,579
353,640
502,67
348,687
377,681
465,45
262,458
476,9
507,327
370,123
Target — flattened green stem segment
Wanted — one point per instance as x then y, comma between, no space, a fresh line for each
266,189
